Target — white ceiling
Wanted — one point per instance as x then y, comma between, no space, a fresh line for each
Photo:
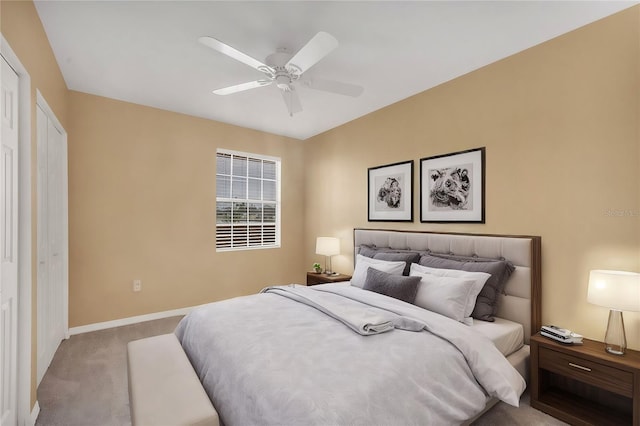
146,52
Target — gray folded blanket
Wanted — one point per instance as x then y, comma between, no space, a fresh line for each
362,319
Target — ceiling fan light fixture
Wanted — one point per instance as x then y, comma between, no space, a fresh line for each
283,81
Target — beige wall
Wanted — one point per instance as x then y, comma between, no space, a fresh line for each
21,27
560,126
142,206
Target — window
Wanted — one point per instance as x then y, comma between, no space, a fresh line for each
247,201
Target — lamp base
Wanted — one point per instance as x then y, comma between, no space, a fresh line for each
615,339
327,269
613,351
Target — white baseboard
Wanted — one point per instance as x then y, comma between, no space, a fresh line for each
34,414
127,321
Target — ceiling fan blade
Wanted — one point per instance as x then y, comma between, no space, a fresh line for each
332,86
292,100
317,48
234,53
242,87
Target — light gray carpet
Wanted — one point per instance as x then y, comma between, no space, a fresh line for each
86,384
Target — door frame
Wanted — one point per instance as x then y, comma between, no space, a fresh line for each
27,413
46,109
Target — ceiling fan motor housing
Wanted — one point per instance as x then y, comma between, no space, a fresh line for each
284,75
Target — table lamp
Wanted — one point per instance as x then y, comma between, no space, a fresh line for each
327,246
619,291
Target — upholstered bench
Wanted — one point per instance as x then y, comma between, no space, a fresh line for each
163,387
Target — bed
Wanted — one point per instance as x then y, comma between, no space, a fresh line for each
341,354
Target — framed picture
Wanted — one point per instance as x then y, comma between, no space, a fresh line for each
452,187
390,192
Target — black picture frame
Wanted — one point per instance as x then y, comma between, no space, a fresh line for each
452,187
390,192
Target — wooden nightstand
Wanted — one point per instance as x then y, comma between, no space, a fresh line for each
313,278
583,384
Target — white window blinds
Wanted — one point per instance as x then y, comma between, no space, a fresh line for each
247,201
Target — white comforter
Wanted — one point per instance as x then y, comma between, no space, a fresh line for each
272,359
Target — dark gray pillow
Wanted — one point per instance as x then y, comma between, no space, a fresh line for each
487,301
408,257
391,255
368,251
396,286
508,270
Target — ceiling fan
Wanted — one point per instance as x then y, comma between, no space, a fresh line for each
285,69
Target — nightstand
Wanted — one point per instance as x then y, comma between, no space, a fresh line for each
583,384
313,278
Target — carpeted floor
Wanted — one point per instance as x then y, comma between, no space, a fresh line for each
86,384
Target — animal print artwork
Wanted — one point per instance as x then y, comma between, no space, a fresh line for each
451,188
389,193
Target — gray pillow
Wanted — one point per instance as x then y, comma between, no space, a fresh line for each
487,301
408,257
396,286
391,255
368,251
508,270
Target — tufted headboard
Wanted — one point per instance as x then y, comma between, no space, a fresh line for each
522,294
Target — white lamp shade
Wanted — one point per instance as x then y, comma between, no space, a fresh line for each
617,290
327,246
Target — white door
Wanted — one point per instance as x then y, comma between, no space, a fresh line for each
9,242
51,240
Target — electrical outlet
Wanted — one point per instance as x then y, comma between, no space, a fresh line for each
137,285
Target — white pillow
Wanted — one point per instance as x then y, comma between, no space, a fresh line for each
475,280
363,263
